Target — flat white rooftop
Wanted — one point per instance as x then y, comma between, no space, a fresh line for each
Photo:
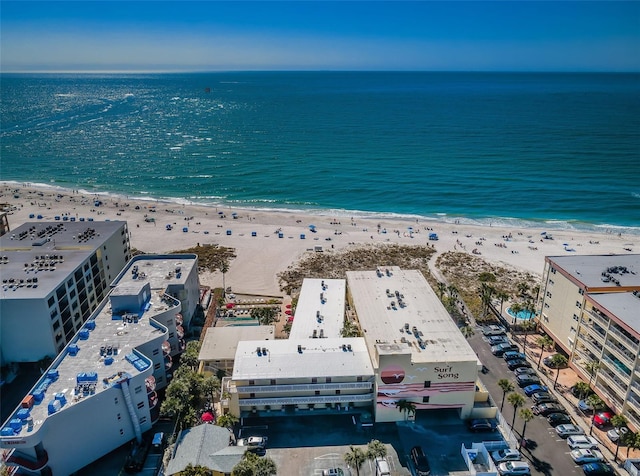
320,309
398,310
601,271
624,306
337,357
37,256
119,335
221,343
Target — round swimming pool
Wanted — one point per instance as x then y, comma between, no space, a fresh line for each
523,315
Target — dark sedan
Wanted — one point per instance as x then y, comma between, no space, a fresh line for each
526,380
556,419
543,397
517,363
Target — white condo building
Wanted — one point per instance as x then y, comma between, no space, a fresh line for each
54,275
591,309
418,352
99,393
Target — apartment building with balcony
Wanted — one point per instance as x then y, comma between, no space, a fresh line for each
100,391
591,308
314,370
418,352
54,275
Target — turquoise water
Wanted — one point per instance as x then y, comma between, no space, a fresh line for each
552,150
523,315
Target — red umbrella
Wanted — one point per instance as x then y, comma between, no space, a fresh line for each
288,312
208,417
288,306
230,305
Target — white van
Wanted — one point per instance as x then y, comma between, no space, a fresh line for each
382,467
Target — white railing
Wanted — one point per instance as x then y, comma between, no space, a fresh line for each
305,387
633,346
620,353
320,399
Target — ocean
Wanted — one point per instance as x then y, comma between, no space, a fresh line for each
527,149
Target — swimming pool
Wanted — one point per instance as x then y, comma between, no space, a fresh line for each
523,315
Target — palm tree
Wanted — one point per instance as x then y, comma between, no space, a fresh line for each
506,386
592,368
632,440
227,420
376,449
516,307
526,415
517,401
265,466
582,389
409,408
197,470
558,361
618,422
503,296
526,326
210,386
545,343
355,458
442,287
486,292
523,288
467,331
224,267
596,403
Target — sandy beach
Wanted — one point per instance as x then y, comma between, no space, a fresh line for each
267,242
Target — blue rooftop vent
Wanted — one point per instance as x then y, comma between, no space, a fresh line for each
108,361
91,325
23,413
16,424
73,349
53,375
92,376
54,406
7,431
61,398
83,334
38,395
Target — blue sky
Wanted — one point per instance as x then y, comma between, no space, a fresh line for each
304,35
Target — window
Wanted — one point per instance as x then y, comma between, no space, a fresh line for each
427,383
115,400
359,379
252,395
170,335
143,420
317,392
328,380
273,381
581,291
314,379
553,270
425,399
156,367
575,317
548,294
159,379
156,351
252,382
70,283
578,305
337,392
51,301
56,325
138,389
119,417
121,432
551,282
140,405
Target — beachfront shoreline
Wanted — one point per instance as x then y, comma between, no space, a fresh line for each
268,241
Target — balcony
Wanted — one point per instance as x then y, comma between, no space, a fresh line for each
623,339
603,321
618,384
610,399
616,367
306,400
596,331
634,402
591,344
312,387
613,348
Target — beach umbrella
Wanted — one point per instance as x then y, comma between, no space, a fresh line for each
543,233
208,417
230,305
220,213
410,228
288,312
288,306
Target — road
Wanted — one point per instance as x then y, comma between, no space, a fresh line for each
547,453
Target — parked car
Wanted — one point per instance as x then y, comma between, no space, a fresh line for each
556,419
500,349
582,441
493,330
500,456
545,409
481,424
524,371
597,469
420,461
616,433
548,361
495,340
568,429
602,419
517,363
513,354
584,407
514,468
253,442
582,456
536,387
543,397
526,380
333,472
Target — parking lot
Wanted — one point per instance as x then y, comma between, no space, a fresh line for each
308,445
